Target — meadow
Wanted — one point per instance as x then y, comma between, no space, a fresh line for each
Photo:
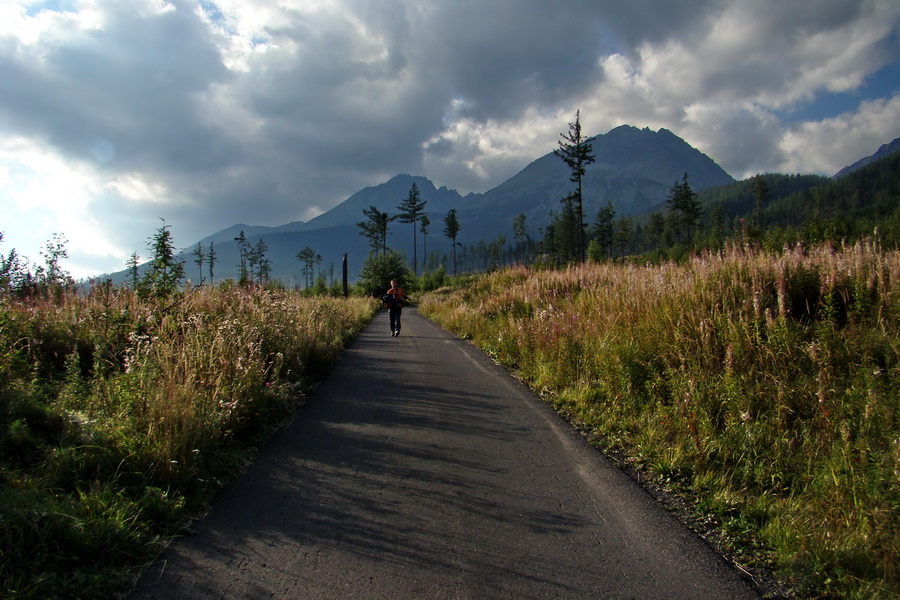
760,386
120,418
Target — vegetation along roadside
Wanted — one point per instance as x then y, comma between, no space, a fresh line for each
761,385
121,414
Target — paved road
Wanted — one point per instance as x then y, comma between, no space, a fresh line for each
420,470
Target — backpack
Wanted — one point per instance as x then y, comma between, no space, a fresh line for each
388,300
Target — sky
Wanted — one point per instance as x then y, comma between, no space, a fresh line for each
119,116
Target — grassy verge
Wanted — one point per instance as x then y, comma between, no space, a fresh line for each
119,419
763,386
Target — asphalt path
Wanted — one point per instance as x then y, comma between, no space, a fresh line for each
419,469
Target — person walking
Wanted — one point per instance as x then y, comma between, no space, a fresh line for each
393,300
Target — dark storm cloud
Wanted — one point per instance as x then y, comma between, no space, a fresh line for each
261,112
131,85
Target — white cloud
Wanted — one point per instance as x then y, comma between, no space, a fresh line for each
828,145
45,195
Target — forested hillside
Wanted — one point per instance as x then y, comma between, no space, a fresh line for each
772,209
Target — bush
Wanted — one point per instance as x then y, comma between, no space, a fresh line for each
763,385
378,270
120,417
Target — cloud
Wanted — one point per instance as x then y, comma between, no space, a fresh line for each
212,113
831,144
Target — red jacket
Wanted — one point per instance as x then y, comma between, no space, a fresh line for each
399,296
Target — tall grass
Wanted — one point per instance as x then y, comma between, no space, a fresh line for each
120,418
764,385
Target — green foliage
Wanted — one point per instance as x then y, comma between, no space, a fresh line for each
432,280
243,246
577,152
378,270
119,419
451,230
763,385
259,264
684,209
308,258
375,228
603,233
771,210
17,278
164,271
411,210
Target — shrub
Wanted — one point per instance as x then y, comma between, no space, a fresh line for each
765,385
119,417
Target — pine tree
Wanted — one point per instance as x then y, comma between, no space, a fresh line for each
410,212
375,228
577,153
684,209
603,229
565,246
451,230
761,195
655,230
164,271
623,236
260,266
211,259
243,252
133,262
520,234
307,257
423,229
199,259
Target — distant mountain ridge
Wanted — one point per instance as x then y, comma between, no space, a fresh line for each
634,171
882,152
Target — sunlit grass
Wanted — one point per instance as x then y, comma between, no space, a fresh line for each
119,418
765,385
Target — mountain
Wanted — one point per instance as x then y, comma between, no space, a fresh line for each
386,197
331,234
634,170
227,235
882,152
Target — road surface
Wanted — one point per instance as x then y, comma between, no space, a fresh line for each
419,469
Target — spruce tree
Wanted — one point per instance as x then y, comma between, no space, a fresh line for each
307,257
603,229
424,222
519,235
264,266
410,212
761,195
211,259
164,271
243,253
684,209
451,230
375,228
199,259
577,153
133,262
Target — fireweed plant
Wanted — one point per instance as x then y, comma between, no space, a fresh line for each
121,417
764,386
